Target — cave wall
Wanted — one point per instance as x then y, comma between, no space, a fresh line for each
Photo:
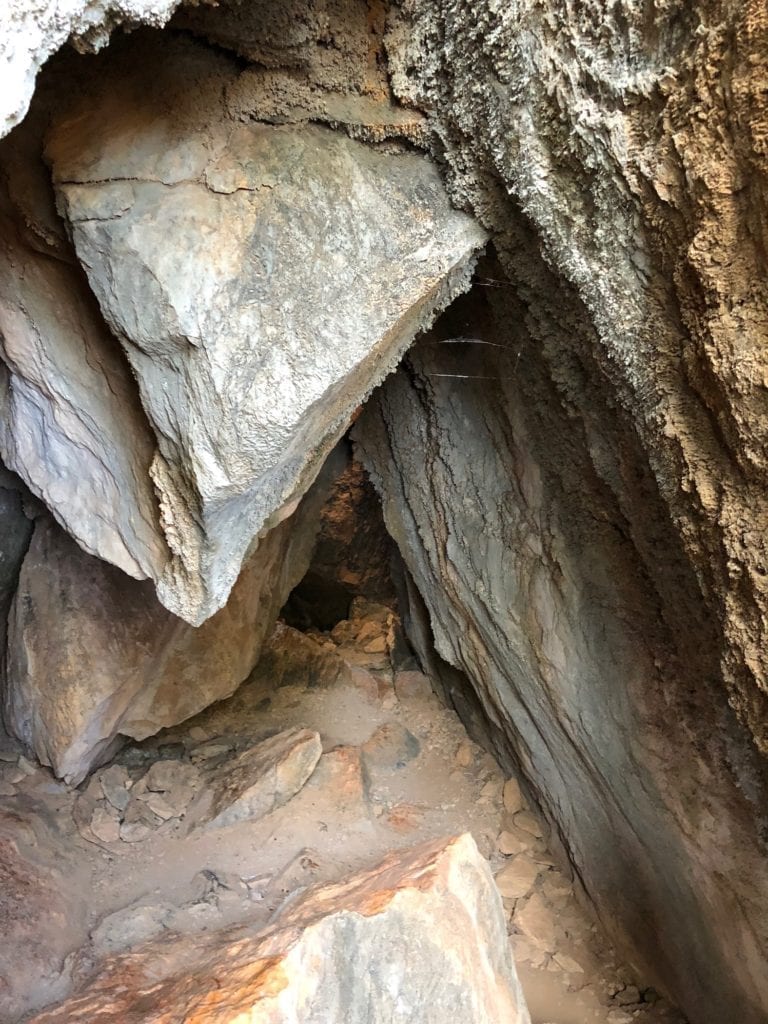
590,542
580,499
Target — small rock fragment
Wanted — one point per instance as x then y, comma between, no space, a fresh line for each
568,964
513,798
465,755
376,646
390,746
538,923
516,879
139,822
26,766
114,783
258,780
529,823
105,825
628,996
127,927
6,789
509,844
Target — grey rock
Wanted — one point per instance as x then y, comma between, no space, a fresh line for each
323,258
391,746
114,784
130,926
105,824
328,956
95,657
257,781
71,424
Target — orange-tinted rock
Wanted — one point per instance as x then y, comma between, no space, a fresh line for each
421,938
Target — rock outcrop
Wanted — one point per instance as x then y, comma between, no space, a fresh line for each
328,956
586,643
303,263
93,656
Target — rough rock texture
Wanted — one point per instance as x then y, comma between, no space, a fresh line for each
328,957
15,531
258,780
303,263
572,609
41,916
93,655
30,33
70,420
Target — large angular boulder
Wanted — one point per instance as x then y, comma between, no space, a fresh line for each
71,424
93,656
261,280
420,939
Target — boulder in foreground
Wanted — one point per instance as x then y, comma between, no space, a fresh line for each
420,939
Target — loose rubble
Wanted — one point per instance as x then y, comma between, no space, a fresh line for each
329,758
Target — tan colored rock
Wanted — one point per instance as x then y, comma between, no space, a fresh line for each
412,685
338,778
365,951
258,780
516,879
528,822
510,844
513,797
105,824
94,656
538,923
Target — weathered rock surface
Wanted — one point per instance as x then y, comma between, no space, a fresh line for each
94,656
41,917
30,33
15,531
328,957
71,424
587,645
303,263
258,780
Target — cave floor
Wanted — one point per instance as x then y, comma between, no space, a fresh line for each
397,768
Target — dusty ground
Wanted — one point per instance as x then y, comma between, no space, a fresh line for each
397,768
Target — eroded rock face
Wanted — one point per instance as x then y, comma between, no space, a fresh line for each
71,424
328,957
29,34
596,668
302,264
41,914
15,531
93,655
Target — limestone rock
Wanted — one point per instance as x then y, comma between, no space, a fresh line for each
15,531
94,656
41,915
258,780
516,879
322,259
365,951
71,424
390,746
596,692
624,186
